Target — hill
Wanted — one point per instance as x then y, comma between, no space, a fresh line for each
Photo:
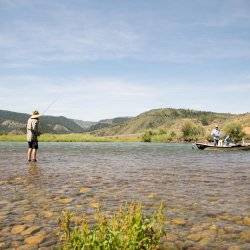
86,125
109,123
14,122
169,119
165,121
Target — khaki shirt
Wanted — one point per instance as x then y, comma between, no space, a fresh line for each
32,129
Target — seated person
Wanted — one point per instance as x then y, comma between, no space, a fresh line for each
227,140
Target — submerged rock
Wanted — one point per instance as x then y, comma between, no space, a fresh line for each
77,219
95,205
194,236
84,190
246,221
65,200
229,237
3,245
170,237
35,239
200,227
48,243
205,241
2,217
47,214
231,229
234,248
245,236
31,230
15,244
169,246
152,195
27,247
29,217
18,229
179,221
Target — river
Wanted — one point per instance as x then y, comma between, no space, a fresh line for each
206,192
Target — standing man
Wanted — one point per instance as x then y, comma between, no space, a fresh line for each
32,136
216,135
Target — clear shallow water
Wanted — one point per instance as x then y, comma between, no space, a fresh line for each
206,189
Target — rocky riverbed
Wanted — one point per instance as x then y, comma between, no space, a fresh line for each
207,206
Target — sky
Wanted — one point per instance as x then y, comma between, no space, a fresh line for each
96,59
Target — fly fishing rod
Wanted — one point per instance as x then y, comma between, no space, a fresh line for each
49,106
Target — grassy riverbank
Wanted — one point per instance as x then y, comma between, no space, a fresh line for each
187,132
76,137
79,137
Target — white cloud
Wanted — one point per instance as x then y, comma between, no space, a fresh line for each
56,32
92,98
65,35
95,98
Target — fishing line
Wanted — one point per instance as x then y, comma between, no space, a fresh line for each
53,102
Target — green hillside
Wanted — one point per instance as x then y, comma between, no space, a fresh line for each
155,125
109,123
165,119
13,122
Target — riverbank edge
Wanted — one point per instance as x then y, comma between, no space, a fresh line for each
74,137
79,137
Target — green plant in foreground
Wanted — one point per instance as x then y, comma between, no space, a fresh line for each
126,229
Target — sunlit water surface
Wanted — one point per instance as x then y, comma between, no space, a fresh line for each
204,190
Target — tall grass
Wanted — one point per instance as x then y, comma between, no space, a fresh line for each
147,136
192,132
12,137
167,136
78,137
127,229
234,130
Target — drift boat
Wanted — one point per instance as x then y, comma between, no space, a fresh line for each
206,146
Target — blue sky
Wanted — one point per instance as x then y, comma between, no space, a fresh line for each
102,59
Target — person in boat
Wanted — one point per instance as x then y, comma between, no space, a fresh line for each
32,136
216,135
227,140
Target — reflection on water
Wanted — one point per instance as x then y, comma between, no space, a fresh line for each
206,193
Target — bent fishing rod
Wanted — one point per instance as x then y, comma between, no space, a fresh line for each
49,106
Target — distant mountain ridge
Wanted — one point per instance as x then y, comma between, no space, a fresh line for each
14,122
156,119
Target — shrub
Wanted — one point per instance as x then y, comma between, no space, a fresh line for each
235,131
126,229
162,132
166,137
209,138
204,120
147,136
172,135
191,132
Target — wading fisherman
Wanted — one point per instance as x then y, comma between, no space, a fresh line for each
216,135
32,135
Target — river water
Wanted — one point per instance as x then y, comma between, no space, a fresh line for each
206,192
